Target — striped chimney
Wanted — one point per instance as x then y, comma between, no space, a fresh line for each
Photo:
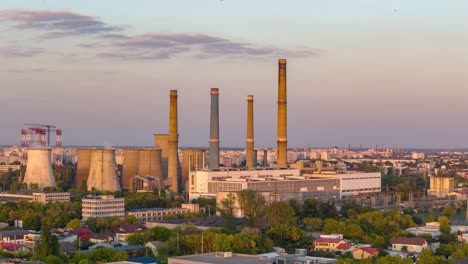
282,143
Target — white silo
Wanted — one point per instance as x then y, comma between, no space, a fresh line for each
39,168
102,173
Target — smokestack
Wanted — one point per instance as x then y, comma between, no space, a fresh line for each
102,173
282,143
250,161
213,162
265,158
173,156
39,168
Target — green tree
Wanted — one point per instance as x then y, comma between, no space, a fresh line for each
280,213
314,223
48,244
353,231
448,212
226,208
253,205
75,223
458,254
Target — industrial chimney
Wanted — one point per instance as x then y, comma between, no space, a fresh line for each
173,156
213,162
39,168
250,160
281,155
102,173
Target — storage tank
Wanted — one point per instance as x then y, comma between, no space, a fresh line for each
102,174
39,168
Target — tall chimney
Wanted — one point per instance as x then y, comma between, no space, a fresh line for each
213,162
173,156
282,143
250,134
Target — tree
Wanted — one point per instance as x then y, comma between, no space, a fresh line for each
226,208
353,231
448,212
75,223
280,213
48,244
458,254
314,223
253,205
311,208
379,242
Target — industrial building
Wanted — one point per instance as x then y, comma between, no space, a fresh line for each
141,162
284,184
102,206
39,168
45,198
103,171
440,186
155,214
192,160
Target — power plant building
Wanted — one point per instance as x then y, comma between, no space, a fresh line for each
283,183
83,165
102,173
141,162
192,160
440,186
39,168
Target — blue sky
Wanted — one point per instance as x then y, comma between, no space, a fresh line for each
359,72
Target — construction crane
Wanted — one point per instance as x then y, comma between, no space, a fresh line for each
48,130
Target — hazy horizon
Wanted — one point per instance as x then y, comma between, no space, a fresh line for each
359,72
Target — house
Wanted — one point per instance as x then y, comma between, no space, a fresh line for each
125,230
102,238
83,233
100,245
327,244
409,244
345,247
14,236
67,247
365,252
154,245
14,248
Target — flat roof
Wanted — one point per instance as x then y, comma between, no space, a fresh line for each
219,257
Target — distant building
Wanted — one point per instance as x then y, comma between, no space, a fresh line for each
103,206
418,155
221,258
327,244
440,186
409,244
155,214
365,252
45,198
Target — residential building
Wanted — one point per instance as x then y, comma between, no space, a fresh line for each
409,244
103,206
365,252
126,230
327,244
45,198
219,257
155,214
14,248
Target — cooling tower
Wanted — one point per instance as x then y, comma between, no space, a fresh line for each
161,141
129,166
102,174
213,162
149,163
282,143
250,161
39,168
173,156
83,164
192,160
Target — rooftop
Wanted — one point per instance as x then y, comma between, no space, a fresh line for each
224,257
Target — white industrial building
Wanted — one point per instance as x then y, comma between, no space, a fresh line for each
284,183
102,206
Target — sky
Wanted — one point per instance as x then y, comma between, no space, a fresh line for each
368,72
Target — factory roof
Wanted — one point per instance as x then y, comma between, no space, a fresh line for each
224,257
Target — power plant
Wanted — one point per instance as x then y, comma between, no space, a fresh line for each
149,163
251,160
161,141
213,163
129,166
173,144
192,160
39,168
103,173
282,143
83,165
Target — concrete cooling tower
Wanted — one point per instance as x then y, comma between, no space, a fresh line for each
102,174
149,163
129,166
39,168
83,164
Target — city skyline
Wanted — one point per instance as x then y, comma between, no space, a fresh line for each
358,73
